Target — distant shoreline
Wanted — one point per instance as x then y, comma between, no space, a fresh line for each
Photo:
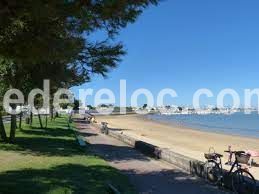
207,127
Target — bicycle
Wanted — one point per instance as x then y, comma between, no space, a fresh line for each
242,181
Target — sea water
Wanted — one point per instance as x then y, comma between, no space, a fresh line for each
235,124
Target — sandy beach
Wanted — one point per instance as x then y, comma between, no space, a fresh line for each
189,142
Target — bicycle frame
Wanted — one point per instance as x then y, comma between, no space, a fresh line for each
235,164
218,162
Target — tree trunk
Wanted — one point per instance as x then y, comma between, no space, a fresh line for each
20,121
51,112
41,126
56,115
46,121
13,128
2,129
31,119
27,120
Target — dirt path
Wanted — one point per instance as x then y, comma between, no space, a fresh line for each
149,176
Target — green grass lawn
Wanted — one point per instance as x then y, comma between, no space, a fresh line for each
50,161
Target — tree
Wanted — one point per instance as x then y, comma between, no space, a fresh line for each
33,32
76,104
90,107
2,127
50,40
167,107
129,109
180,108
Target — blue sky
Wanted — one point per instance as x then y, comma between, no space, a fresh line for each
187,45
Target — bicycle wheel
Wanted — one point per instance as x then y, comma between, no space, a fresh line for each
243,182
213,171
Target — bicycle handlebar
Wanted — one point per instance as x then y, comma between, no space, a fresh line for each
235,152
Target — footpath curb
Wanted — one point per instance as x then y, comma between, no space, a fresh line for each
79,138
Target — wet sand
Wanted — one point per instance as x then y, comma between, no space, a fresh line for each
189,142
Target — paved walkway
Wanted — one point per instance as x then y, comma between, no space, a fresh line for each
149,176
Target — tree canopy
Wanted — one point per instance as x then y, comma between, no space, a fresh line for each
50,39
57,32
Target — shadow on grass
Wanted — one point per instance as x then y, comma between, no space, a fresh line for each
57,132
57,140
70,178
44,146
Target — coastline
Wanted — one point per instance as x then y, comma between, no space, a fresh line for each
185,141
185,127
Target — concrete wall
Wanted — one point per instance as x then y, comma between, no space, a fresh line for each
183,162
